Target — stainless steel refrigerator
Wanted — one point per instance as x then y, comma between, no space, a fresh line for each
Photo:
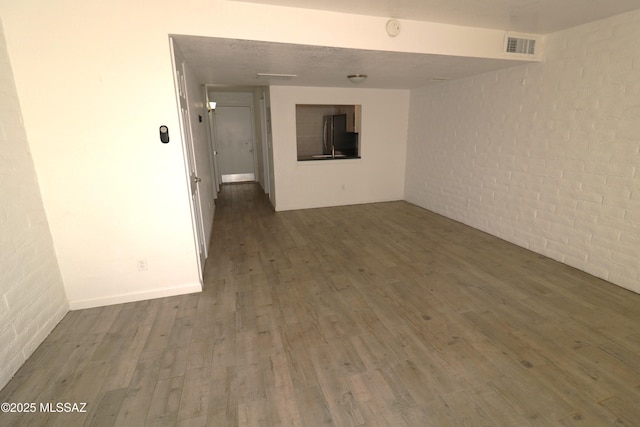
336,141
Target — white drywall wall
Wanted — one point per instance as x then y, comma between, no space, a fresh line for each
377,176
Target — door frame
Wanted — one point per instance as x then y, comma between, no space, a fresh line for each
253,135
264,143
213,147
188,154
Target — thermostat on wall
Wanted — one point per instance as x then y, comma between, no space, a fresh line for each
164,134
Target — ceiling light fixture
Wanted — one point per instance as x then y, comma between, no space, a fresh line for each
357,78
276,75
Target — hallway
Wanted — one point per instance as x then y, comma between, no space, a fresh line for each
379,315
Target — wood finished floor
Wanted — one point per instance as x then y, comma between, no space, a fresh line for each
371,315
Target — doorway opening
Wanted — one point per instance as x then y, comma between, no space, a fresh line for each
240,136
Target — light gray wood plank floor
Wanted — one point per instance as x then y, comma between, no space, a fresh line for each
371,315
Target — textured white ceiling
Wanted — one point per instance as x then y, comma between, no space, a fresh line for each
528,16
228,62
233,62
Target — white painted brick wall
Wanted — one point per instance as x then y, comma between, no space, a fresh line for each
32,297
545,155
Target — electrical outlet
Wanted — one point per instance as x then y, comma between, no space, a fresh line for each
142,264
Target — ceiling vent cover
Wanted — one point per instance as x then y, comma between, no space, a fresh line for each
520,45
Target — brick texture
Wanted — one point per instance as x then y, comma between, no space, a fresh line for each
32,297
545,155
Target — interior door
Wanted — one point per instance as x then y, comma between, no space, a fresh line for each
234,131
187,138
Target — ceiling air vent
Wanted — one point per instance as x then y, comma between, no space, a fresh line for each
520,45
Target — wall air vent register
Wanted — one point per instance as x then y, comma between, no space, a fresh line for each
520,45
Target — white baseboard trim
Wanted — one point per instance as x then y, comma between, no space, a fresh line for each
136,296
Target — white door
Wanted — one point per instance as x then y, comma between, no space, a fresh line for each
190,161
234,132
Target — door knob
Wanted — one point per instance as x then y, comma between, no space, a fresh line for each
196,179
